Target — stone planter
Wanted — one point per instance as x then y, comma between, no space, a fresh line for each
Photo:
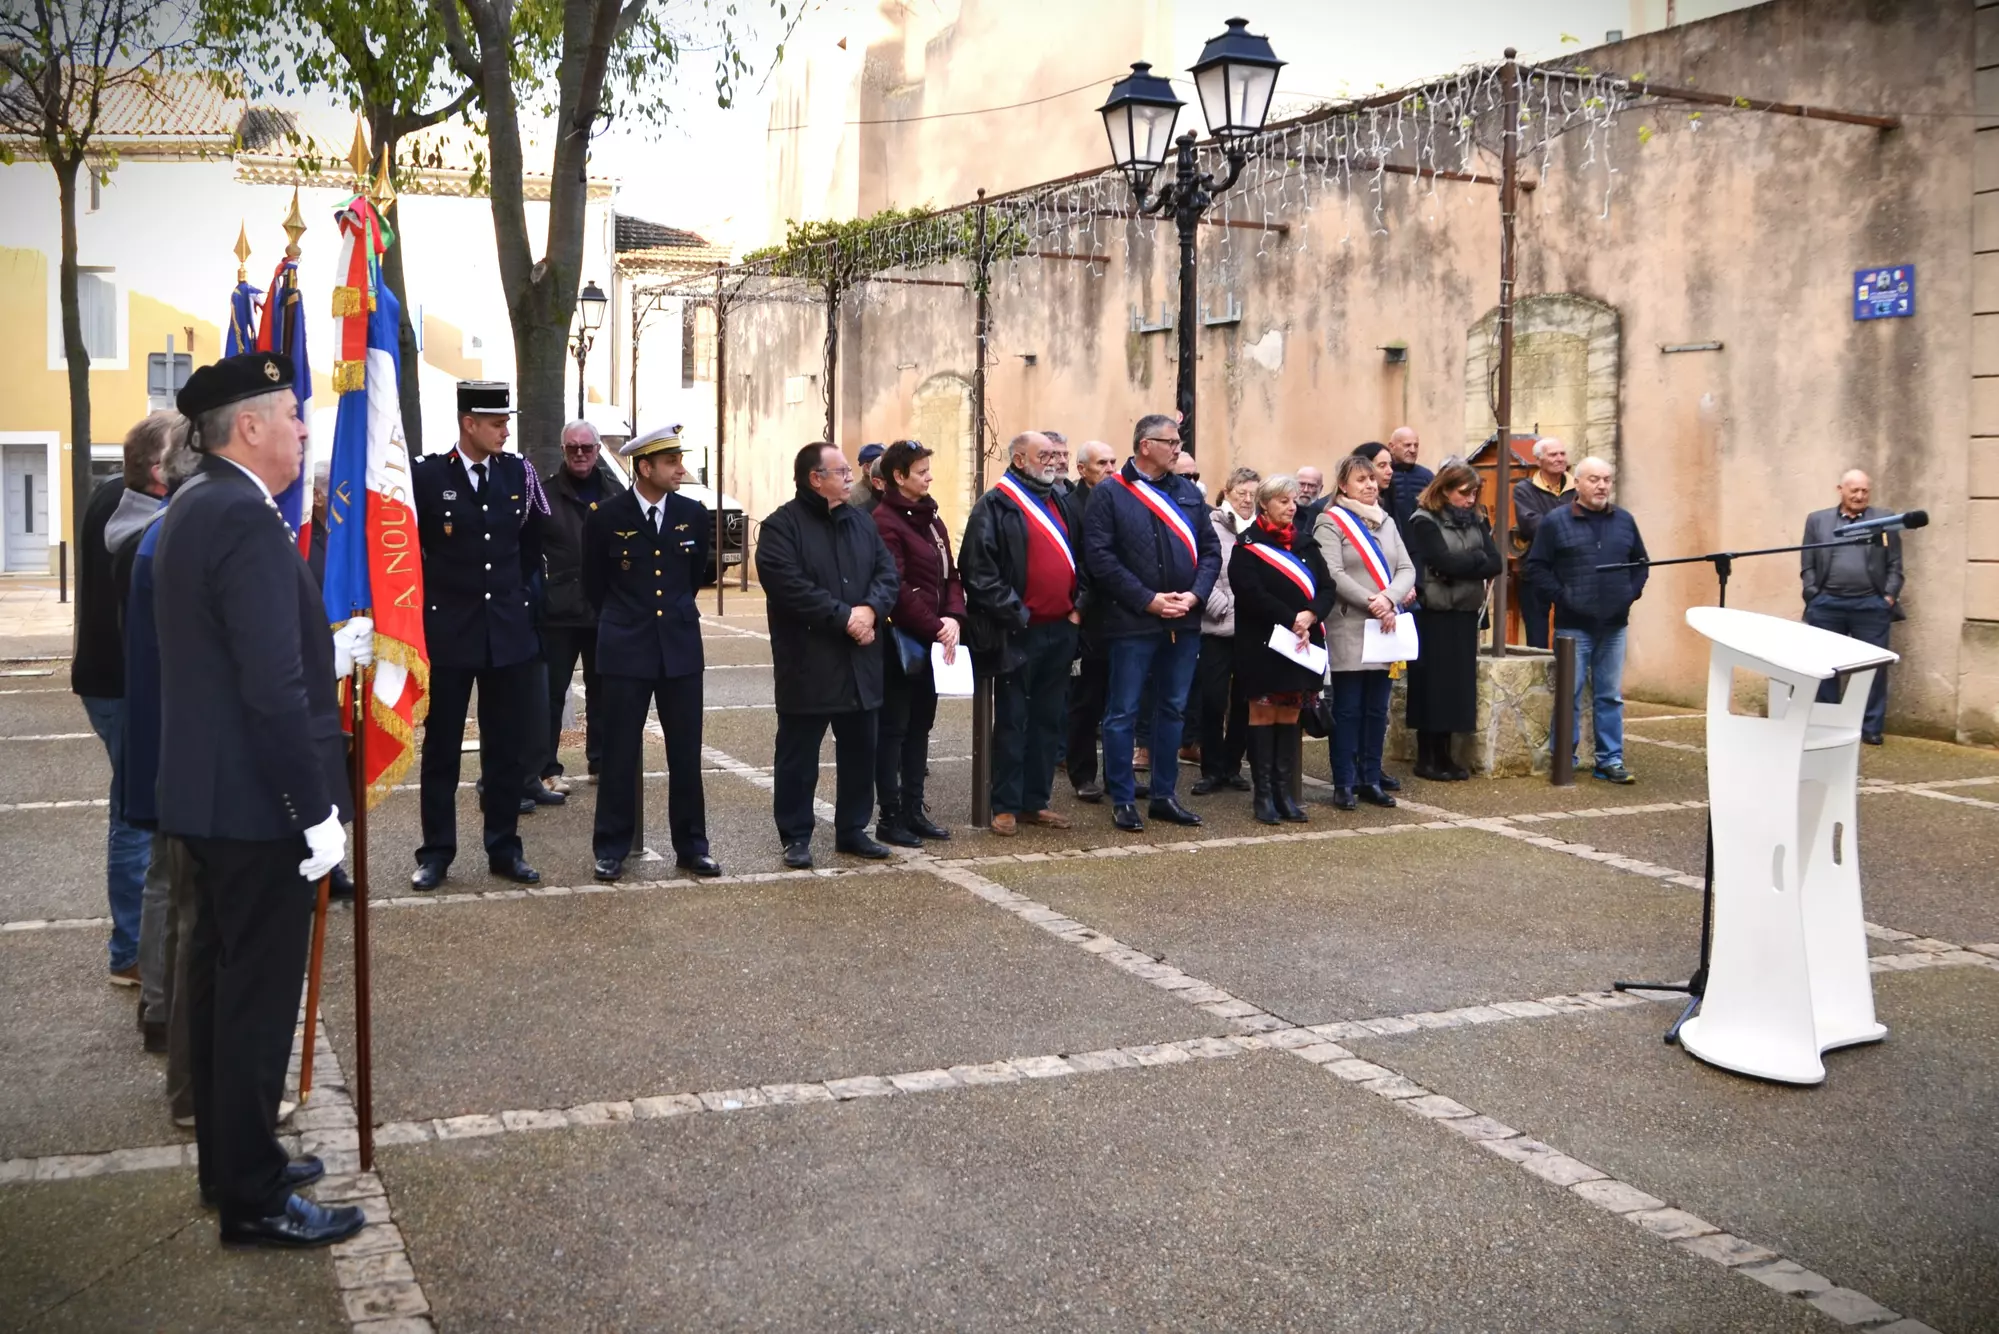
1516,696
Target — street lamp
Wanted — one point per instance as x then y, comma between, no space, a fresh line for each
1235,78
590,305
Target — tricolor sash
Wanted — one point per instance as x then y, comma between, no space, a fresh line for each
1039,520
1364,544
1286,564
1165,511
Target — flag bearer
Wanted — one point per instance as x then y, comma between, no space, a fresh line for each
644,552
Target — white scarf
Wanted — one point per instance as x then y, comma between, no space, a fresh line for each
1374,514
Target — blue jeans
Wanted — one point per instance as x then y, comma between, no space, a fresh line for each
1600,657
1867,620
1360,726
126,850
1030,706
1166,658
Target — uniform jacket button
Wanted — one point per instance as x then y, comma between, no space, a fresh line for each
489,565
489,597
659,613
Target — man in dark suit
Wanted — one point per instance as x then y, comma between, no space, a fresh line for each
252,779
644,551
481,537
1854,590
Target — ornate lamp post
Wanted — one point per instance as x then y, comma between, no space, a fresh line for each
1235,78
590,305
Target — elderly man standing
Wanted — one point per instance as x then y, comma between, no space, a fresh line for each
1090,678
828,584
1311,497
1410,476
252,778
1153,558
1592,606
1019,566
1063,486
576,487
1547,487
1854,589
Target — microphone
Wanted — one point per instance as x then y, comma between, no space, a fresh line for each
1887,523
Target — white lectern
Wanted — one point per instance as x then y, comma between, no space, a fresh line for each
1787,972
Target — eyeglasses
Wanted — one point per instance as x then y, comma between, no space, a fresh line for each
842,471
578,449
1172,440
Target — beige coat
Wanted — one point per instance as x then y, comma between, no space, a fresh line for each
1352,587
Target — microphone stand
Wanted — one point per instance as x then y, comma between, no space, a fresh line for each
1724,565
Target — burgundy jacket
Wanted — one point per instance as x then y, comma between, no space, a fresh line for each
930,591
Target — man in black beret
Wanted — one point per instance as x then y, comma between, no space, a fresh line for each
481,534
252,778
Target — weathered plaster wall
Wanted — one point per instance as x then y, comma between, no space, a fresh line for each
1737,227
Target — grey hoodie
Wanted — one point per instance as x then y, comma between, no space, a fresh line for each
135,510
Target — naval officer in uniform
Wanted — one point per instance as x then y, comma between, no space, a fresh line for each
252,778
481,537
644,552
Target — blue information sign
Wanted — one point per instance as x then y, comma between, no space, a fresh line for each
1884,294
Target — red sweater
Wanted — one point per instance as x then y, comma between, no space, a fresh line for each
1050,594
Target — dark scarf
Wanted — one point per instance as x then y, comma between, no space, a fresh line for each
1450,516
1045,490
1280,537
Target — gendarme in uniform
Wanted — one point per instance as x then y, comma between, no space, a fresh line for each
644,552
481,538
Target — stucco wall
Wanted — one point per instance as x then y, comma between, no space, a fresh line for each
1736,227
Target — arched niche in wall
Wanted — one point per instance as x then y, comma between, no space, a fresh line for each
940,416
1565,367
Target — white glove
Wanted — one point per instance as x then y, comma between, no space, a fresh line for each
326,844
353,646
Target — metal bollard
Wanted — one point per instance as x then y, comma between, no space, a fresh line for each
1562,726
62,571
982,752
1297,783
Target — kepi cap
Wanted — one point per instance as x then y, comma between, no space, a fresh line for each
485,398
231,380
665,440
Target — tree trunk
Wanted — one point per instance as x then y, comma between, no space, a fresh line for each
408,390
75,354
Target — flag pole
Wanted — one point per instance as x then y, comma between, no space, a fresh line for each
364,1103
312,991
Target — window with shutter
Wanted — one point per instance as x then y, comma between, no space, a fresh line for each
97,303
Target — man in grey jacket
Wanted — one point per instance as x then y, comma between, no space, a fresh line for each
1854,589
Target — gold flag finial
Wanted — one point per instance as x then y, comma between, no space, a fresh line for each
242,252
358,156
294,227
384,192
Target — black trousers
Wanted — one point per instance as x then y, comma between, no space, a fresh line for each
624,701
796,772
1534,611
506,696
536,737
561,646
245,967
1088,690
902,747
1224,728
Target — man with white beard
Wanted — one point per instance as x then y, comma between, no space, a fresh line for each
1019,563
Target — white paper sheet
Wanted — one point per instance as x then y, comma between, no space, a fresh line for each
1311,657
1398,645
953,679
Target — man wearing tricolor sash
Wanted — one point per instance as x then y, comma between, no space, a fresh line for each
1020,572
1152,558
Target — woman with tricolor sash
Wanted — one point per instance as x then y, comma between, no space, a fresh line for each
1279,581
1371,575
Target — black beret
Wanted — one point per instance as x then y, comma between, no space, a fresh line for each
484,397
233,379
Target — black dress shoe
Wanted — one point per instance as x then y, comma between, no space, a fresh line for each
921,825
538,794
515,869
700,864
1171,811
1343,798
153,1035
1092,792
1390,783
608,868
890,832
429,875
303,1223
1203,786
339,885
1873,739
1430,774
1240,782
528,806
1127,819
299,1173
860,845
1373,795
798,855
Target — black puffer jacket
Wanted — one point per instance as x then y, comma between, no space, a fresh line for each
816,564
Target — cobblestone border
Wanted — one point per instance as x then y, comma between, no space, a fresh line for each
54,736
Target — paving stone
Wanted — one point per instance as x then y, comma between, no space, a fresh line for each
1523,1009
732,1100
368,1271
923,1081
1437,1107
1161,1054
338,1190
1394,1086
599,1113
402,1324
859,1086
1389,1024
1904,1326
1850,1307
1671,1223
404,1132
1617,1196
384,1300
1288,1038
468,1127
1321,1052
1561,1169
1208,1048
783,1095
1515,1150
1725,1249
994,1072
375,1239
551,1118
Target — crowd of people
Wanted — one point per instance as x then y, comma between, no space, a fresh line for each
1115,609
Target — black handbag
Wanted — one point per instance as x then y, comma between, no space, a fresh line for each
911,654
1316,717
